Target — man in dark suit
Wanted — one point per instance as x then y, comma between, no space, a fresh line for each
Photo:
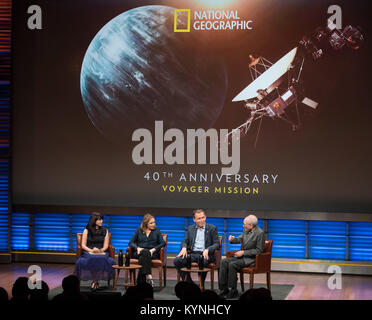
253,243
201,239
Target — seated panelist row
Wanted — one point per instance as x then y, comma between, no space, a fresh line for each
201,240
95,264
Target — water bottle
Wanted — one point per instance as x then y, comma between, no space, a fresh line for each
127,259
188,262
201,262
188,259
120,258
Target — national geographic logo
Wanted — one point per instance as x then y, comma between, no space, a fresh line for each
176,11
205,20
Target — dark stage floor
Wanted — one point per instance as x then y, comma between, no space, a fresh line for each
306,286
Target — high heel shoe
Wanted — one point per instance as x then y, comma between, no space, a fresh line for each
150,282
93,286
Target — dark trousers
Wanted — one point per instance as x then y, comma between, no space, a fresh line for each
180,263
228,272
144,259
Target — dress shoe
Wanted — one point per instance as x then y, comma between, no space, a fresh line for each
150,282
189,280
232,294
94,286
223,293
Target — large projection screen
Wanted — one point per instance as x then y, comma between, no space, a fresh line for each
88,73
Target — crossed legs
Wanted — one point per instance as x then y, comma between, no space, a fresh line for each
228,273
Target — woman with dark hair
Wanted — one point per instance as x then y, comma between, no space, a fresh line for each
146,243
95,264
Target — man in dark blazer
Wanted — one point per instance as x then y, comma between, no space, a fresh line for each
253,243
201,239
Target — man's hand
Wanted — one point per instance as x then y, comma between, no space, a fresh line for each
139,250
206,254
183,253
231,238
152,250
239,254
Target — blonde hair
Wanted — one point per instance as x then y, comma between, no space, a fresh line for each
145,221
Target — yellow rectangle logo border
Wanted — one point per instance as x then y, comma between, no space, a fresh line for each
188,20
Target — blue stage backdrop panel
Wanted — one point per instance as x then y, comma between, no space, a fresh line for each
327,240
122,228
6,86
78,224
337,228
51,231
4,233
234,227
4,198
289,238
174,227
20,231
360,241
220,224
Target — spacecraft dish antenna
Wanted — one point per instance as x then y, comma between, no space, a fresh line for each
268,78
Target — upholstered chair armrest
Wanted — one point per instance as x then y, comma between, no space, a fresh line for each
161,253
130,251
163,250
217,255
79,251
111,251
263,261
230,254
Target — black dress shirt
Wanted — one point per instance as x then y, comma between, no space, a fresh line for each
140,240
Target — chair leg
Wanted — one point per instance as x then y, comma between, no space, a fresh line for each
132,276
165,275
268,280
251,279
242,281
160,277
212,279
117,277
125,276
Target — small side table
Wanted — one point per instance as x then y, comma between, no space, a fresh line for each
200,272
132,272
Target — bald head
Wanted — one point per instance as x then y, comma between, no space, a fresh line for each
250,222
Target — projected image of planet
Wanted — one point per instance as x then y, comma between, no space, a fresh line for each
137,70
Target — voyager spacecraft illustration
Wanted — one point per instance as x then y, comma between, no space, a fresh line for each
275,88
